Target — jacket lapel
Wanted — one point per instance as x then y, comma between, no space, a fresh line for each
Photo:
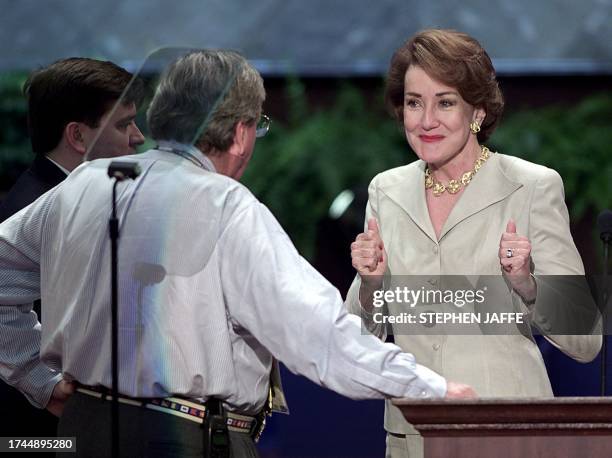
489,185
409,194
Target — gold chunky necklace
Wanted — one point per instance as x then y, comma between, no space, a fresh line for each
454,186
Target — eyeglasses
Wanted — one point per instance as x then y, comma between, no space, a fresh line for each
263,126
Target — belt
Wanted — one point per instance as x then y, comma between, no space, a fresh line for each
183,408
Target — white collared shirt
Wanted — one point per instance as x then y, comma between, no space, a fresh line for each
210,290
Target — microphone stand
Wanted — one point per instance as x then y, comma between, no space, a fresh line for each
606,238
604,221
119,170
113,226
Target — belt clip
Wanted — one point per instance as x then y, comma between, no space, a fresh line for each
260,424
216,434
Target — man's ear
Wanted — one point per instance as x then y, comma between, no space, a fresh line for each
74,136
238,147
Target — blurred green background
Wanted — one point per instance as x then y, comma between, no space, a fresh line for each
315,152
330,135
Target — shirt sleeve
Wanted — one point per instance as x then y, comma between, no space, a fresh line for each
20,245
299,317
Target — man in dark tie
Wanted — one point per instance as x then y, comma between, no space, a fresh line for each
73,114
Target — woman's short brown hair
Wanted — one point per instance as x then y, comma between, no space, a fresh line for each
455,59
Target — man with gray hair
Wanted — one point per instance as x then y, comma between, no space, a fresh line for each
211,290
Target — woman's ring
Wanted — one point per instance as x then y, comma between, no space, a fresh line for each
509,253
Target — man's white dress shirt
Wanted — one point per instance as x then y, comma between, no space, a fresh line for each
211,289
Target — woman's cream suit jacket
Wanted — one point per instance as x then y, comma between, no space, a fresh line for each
505,187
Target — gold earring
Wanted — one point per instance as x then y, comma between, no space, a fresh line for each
474,127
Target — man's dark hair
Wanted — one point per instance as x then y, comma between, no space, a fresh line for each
74,89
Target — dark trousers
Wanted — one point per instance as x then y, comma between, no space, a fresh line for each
142,432
19,418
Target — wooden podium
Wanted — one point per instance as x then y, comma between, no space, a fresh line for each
508,428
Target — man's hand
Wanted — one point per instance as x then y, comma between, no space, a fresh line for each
459,391
62,391
515,259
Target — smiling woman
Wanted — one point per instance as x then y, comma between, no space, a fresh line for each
435,116
463,210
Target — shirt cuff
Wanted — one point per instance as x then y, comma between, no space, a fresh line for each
38,386
430,384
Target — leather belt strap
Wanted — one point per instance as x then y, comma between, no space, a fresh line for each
179,407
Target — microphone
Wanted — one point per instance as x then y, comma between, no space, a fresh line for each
122,170
604,222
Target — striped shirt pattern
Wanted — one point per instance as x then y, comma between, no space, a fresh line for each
211,290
